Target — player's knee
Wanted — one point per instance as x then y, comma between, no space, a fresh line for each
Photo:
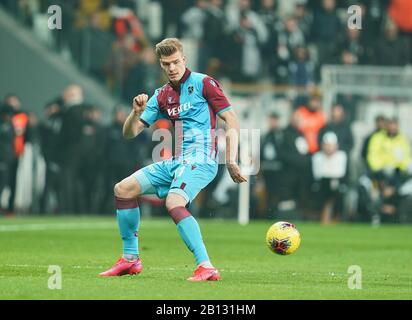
117,190
127,189
174,201
120,191
169,204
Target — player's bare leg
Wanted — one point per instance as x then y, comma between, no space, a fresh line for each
190,233
128,218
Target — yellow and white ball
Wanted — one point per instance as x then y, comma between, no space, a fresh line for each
283,238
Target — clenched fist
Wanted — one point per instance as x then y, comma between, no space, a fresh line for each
139,103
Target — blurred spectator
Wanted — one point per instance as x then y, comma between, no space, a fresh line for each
347,58
295,175
400,11
96,46
143,77
126,23
270,17
380,125
304,18
34,152
51,148
326,26
291,36
250,34
20,122
270,163
389,158
90,148
289,39
121,60
172,10
302,69
63,37
389,150
340,127
71,133
193,20
353,43
312,120
287,7
122,157
329,169
373,14
212,45
6,147
393,50
350,103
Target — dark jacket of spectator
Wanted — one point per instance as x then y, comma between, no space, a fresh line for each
301,69
72,122
294,151
342,131
213,27
97,44
296,172
143,77
50,134
6,137
326,26
6,148
392,50
270,151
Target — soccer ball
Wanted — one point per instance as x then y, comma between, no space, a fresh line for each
283,238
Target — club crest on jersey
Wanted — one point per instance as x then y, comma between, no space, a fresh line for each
169,99
213,83
190,89
178,110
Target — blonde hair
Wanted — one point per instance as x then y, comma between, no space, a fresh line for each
168,46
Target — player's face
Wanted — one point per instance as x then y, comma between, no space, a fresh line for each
174,66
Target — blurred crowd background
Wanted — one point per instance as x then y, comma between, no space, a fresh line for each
247,41
309,169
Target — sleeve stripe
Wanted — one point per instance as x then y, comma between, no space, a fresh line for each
144,123
225,109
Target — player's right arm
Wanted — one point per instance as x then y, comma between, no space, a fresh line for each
133,126
145,112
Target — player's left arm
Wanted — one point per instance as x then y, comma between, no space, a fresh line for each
221,106
232,144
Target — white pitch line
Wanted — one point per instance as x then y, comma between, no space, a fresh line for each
74,226
57,226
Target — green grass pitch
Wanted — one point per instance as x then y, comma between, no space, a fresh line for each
85,246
